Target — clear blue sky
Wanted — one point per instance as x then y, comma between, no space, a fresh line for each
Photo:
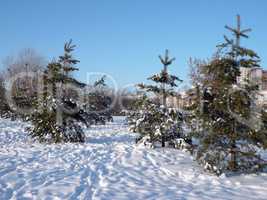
124,37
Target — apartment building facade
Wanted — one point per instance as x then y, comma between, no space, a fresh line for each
258,76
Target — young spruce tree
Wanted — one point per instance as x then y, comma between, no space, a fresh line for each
99,102
230,129
57,115
155,120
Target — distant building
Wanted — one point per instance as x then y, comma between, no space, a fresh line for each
183,99
256,75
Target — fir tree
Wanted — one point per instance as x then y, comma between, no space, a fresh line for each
156,120
227,131
57,115
99,102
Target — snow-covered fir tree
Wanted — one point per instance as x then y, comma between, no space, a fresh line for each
154,119
230,128
99,102
57,115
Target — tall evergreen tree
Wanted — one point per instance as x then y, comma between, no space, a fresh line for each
227,133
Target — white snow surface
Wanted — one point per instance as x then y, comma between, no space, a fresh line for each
109,166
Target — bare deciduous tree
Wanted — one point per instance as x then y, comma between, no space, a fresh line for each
20,73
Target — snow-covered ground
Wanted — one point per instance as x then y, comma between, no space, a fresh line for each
109,166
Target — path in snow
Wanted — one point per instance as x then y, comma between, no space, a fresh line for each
109,167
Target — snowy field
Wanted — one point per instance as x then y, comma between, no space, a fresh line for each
109,167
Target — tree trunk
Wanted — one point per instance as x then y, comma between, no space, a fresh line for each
233,162
163,141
